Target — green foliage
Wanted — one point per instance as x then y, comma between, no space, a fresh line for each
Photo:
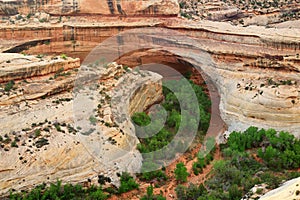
93,120
192,192
28,16
41,142
9,85
151,196
171,103
19,17
98,195
127,183
176,118
14,144
141,119
234,192
43,20
158,174
278,150
57,127
63,56
40,56
181,173
204,158
58,191
126,68
233,177
60,72
37,133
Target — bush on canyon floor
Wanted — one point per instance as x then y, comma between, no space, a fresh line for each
148,174
240,169
279,150
151,196
181,173
127,183
203,160
166,134
61,192
141,119
192,192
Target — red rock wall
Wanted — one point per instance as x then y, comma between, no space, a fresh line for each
103,7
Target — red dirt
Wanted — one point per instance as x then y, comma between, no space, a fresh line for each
217,126
168,189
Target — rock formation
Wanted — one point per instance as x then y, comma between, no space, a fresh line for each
290,190
107,7
52,147
254,69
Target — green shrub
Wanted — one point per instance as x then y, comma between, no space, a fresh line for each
141,119
63,56
41,142
93,120
181,173
127,183
37,133
9,86
14,144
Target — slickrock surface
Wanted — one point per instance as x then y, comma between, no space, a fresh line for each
48,146
18,67
290,190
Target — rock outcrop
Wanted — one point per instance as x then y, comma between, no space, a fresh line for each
256,67
255,70
48,148
289,190
107,7
19,67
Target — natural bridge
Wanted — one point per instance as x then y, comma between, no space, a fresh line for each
252,75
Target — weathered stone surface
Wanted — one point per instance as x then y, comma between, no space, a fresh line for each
249,43
105,7
18,66
69,155
288,191
236,52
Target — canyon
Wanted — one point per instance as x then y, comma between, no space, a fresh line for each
251,72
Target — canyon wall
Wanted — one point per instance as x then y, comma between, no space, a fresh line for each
105,7
264,58
255,71
19,67
76,38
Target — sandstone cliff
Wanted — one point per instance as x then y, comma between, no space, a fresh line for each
255,71
49,147
107,7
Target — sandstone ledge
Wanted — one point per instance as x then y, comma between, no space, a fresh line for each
60,151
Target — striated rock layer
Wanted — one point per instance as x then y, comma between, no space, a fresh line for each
49,146
255,70
105,7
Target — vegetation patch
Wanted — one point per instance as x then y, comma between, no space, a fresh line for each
242,166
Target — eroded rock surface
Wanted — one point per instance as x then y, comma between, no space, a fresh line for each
106,7
47,146
255,70
289,190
